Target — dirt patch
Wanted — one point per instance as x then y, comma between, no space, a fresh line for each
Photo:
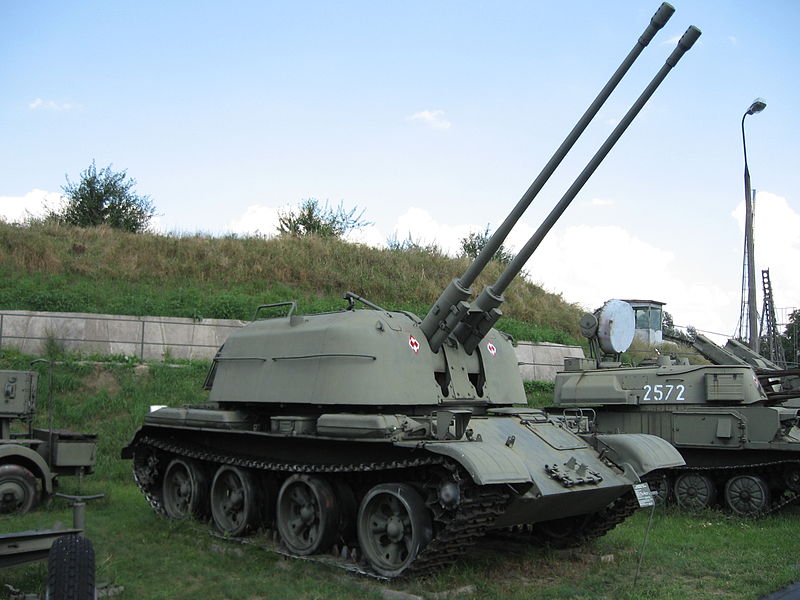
101,380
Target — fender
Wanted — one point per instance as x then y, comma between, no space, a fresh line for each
31,460
639,452
486,464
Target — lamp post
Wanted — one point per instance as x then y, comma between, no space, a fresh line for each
756,107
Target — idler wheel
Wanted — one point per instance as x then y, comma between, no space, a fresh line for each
694,491
185,489
308,514
791,477
234,496
747,495
17,489
662,489
394,525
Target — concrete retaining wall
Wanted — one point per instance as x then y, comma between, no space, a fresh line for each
541,360
149,338
157,338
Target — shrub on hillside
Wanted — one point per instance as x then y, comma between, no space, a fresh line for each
104,197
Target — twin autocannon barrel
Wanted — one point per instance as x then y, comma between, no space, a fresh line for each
452,315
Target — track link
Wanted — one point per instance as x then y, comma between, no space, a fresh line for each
576,531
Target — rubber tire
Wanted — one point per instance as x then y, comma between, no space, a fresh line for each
323,527
70,569
418,525
197,505
26,481
741,507
249,501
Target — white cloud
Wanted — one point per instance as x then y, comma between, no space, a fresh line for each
776,233
419,226
15,209
39,104
256,218
434,118
673,41
592,264
369,235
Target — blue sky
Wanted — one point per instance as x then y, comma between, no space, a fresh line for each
434,117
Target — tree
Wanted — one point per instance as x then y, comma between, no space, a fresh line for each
791,339
104,197
312,219
473,243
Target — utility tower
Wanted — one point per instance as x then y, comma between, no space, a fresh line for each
769,326
747,327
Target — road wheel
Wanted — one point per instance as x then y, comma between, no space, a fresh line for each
747,495
694,491
308,514
394,526
17,489
70,569
185,489
234,497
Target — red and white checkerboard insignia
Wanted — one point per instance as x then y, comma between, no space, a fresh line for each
412,341
491,348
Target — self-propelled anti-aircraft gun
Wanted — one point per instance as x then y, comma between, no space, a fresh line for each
741,443
407,438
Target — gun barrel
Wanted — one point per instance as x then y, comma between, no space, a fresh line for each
451,307
484,312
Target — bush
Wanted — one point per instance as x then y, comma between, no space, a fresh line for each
104,198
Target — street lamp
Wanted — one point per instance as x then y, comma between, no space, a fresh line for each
756,107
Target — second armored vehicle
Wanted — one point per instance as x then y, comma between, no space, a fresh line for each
741,447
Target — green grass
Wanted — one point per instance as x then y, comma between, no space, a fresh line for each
99,270
539,393
704,556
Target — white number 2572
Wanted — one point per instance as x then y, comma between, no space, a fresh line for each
664,393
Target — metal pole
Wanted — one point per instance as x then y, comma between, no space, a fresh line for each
749,203
644,544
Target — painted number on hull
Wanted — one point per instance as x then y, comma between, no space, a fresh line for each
664,393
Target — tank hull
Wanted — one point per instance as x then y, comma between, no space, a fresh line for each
511,471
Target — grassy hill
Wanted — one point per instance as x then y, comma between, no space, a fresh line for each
60,268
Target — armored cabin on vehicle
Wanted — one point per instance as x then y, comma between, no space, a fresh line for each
407,438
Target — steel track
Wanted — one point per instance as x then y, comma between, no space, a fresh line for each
787,498
457,530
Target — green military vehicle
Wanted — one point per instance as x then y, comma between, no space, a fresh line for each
781,385
741,445
405,438
33,458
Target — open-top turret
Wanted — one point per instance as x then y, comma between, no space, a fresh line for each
404,438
